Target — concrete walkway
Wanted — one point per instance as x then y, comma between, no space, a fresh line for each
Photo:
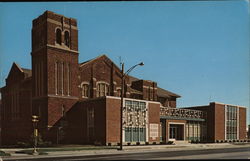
126,149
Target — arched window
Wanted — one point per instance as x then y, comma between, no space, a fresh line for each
102,89
66,38
58,36
118,89
85,90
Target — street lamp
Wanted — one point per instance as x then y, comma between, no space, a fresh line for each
35,120
122,93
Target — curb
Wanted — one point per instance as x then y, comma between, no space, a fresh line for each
112,151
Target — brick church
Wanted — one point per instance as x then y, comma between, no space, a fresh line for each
80,102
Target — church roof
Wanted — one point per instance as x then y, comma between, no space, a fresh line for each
165,93
160,91
27,72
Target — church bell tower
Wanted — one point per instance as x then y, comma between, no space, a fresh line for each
54,67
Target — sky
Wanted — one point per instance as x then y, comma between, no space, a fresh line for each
196,49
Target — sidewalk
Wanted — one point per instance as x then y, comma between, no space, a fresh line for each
126,149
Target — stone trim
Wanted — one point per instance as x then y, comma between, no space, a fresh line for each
62,48
132,99
69,97
59,23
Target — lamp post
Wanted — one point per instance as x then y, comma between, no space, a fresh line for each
35,120
122,93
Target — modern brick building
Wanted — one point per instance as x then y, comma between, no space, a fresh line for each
80,102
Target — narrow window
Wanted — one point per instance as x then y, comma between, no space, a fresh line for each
102,89
68,66
38,79
17,105
63,111
118,91
62,76
66,38
85,90
58,36
56,75
149,93
41,78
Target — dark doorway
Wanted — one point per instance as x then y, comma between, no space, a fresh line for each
163,131
176,131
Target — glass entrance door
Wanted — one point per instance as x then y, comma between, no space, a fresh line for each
173,132
176,131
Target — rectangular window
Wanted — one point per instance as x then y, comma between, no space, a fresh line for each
231,122
68,76
85,90
42,88
62,76
36,80
39,77
102,89
135,120
56,75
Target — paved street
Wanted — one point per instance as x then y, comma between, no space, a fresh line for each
160,154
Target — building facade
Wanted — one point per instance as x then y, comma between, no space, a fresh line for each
80,102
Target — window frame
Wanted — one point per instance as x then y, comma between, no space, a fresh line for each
66,43
102,89
58,36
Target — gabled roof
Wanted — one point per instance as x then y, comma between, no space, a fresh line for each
165,93
14,65
96,58
27,72
91,60
160,92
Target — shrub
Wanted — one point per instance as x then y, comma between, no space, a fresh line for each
2,153
23,145
170,142
45,144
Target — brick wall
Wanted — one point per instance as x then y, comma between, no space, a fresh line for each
100,70
154,118
242,123
219,122
148,89
17,129
113,120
